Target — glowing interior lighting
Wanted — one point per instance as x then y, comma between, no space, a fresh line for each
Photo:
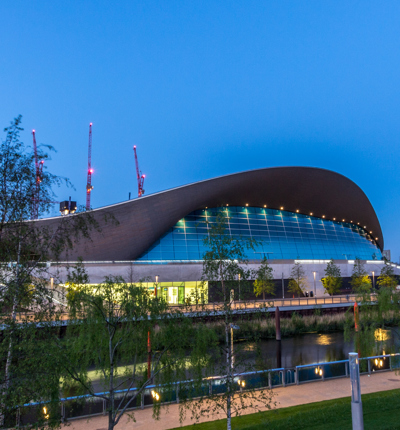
320,372
376,238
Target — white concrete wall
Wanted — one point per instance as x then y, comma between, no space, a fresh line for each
175,272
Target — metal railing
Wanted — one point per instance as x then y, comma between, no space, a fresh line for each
86,405
348,299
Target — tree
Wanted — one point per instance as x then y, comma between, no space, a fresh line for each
224,260
298,281
110,330
333,279
360,280
26,296
264,284
387,278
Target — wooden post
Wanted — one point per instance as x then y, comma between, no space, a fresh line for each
278,323
278,354
356,317
148,355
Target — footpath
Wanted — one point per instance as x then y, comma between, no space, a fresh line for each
292,395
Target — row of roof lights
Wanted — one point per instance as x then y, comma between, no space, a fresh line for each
311,214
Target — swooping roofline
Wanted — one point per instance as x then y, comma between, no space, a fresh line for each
144,220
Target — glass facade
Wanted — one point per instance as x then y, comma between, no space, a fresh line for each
281,234
178,293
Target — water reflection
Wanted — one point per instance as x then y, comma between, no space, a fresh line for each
382,335
315,348
324,339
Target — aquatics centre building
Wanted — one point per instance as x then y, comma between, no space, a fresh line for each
301,214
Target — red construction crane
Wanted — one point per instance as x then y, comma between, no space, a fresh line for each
38,179
140,177
89,186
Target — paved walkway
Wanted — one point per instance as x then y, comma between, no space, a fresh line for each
288,396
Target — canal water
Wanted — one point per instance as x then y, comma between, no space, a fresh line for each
314,348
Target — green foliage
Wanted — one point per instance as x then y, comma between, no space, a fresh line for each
298,281
225,258
360,281
264,284
223,263
106,345
26,298
333,279
387,278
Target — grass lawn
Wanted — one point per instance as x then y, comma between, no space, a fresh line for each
381,411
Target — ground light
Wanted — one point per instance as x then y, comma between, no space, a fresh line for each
155,395
46,415
319,371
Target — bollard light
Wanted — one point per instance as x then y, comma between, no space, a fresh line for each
155,395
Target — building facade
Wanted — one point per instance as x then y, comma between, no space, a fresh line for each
292,213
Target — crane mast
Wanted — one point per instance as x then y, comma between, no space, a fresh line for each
89,186
38,179
140,177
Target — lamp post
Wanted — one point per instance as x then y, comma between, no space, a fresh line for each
373,280
356,405
315,286
239,285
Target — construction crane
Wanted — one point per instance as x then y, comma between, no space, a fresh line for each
38,179
89,186
140,177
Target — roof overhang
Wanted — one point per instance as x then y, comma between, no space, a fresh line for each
144,220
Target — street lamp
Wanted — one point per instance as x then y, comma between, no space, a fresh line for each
373,280
315,286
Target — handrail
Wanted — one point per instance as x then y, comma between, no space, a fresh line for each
219,377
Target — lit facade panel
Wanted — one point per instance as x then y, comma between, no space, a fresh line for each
280,235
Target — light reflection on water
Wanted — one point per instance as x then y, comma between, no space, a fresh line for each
382,335
313,348
324,339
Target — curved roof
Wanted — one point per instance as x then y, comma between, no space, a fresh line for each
144,220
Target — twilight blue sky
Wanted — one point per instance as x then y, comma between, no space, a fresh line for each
208,88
